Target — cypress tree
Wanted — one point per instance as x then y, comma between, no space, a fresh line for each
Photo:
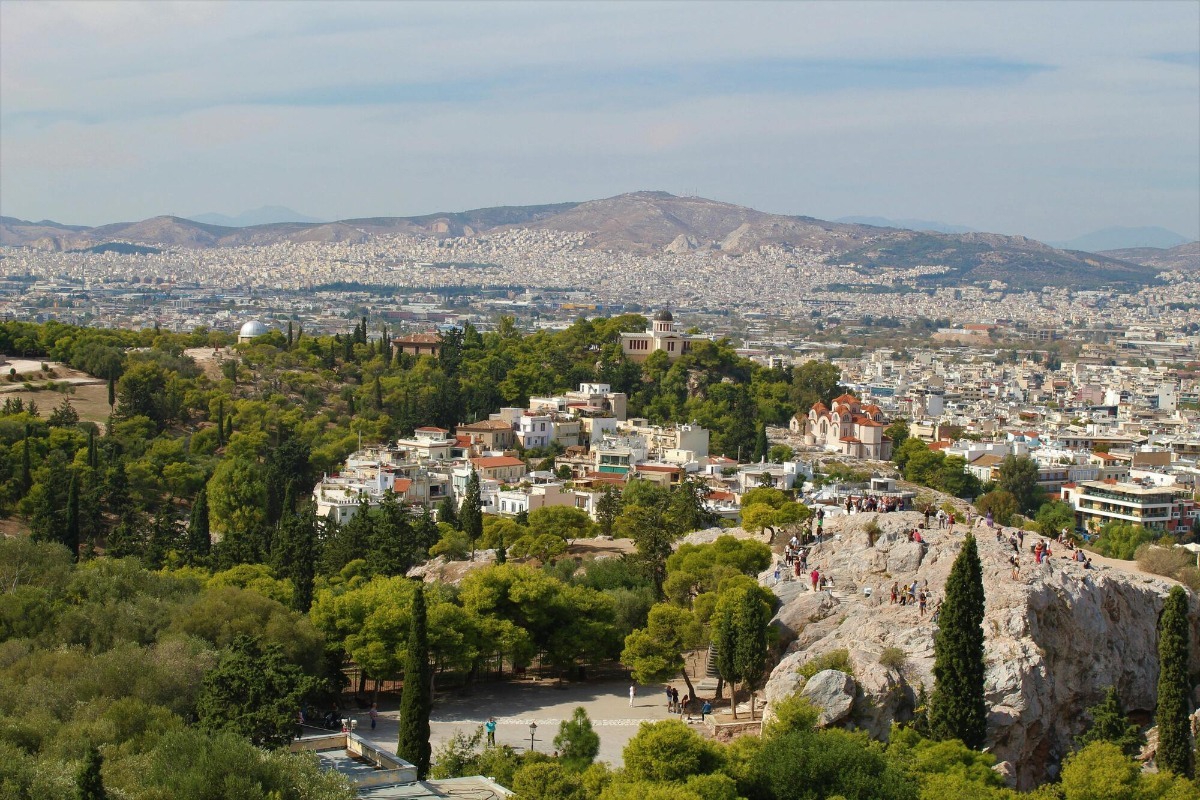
228,428
501,553
89,784
470,516
290,340
93,457
1175,752
761,445
378,395
71,531
294,553
415,698
112,394
447,513
221,422
957,709
26,466
199,540
1111,724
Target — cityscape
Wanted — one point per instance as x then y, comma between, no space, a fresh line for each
588,489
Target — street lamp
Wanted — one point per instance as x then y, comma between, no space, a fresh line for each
532,731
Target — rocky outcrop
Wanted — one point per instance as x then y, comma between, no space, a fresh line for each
833,693
1055,638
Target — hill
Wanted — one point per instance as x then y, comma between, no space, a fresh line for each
1184,257
930,226
651,223
1118,238
265,215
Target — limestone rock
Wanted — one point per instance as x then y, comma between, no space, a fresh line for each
1054,640
833,693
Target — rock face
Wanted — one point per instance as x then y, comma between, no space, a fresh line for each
1054,639
833,693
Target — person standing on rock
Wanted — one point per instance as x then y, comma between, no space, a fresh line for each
895,592
990,520
1016,567
816,578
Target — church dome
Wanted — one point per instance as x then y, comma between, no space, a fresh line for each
252,329
664,316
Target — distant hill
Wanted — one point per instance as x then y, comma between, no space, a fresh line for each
258,216
926,225
1123,239
1184,257
650,222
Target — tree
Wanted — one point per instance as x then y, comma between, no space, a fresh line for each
1001,503
71,528
1018,475
89,785
64,415
957,709
669,751
739,625
761,444
1055,515
416,700
198,541
654,654
253,691
608,508
647,528
294,554
898,433
564,522
470,515
1121,540
1175,753
447,511
1110,724
815,382
578,744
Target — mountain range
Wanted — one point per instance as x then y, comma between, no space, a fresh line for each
265,215
647,223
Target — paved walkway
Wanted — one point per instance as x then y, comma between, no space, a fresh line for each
517,703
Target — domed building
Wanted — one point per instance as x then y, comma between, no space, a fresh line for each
252,330
661,335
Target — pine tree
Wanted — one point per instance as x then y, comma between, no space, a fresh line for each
470,516
71,530
1175,753
761,445
1110,724
608,508
89,784
198,543
415,698
957,709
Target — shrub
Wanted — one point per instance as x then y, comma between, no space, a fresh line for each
834,659
893,658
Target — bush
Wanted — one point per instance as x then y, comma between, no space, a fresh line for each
1171,562
1121,540
893,658
834,659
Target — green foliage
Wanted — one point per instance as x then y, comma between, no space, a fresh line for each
1018,475
834,659
578,744
1000,503
254,691
815,382
739,626
957,709
792,714
90,781
565,522
1053,516
1176,752
840,763
1101,771
669,751
898,433
933,468
893,658
1121,540
416,698
1110,724
694,569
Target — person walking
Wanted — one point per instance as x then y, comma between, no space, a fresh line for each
373,714
669,699
490,727
816,578
632,694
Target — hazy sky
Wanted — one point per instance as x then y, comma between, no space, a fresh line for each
1048,119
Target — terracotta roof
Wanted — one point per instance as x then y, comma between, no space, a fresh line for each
940,445
488,462
845,398
432,429
418,338
1105,456
486,425
819,408
851,439
656,468
400,485
987,460
464,441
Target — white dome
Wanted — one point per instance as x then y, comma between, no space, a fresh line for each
253,328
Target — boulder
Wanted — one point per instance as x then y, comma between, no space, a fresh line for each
832,692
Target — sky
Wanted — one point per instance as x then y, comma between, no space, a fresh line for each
1044,119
